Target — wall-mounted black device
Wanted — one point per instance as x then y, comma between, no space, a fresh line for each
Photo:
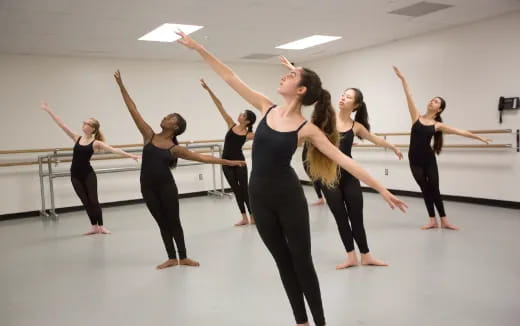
507,103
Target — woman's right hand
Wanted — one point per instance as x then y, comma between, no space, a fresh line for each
187,41
45,107
286,63
398,73
237,163
393,201
117,76
203,84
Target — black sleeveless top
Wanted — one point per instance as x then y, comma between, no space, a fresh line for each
273,150
155,166
80,166
233,146
346,141
421,151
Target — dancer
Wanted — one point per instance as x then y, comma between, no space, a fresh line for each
422,156
236,136
82,175
277,198
160,154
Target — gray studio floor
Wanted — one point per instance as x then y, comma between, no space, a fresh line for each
51,275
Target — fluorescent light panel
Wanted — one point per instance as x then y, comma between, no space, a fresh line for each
166,32
308,42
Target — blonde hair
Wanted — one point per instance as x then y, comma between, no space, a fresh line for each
98,134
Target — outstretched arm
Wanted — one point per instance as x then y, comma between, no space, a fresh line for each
464,133
184,153
256,99
320,141
414,113
143,127
58,121
286,63
361,131
218,104
101,146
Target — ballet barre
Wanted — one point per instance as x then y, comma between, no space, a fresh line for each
53,159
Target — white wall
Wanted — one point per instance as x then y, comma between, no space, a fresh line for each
470,66
78,88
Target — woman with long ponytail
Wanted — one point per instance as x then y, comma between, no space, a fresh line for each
345,200
82,175
422,156
276,195
236,136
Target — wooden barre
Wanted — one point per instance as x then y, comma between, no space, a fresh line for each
490,131
445,146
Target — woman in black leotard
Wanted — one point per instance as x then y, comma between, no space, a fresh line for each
235,138
422,156
277,198
82,176
346,199
315,183
160,154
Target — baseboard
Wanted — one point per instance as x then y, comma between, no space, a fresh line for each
460,199
69,209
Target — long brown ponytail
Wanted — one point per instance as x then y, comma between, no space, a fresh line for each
438,139
321,167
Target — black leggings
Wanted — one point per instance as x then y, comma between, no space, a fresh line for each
346,204
163,203
427,176
282,220
316,184
86,189
236,176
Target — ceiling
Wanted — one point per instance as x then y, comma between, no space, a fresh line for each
233,29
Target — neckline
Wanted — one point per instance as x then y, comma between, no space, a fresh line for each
79,139
283,132
238,134
419,120
164,149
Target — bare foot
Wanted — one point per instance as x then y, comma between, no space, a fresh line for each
93,230
432,225
320,201
446,225
189,262
104,230
251,220
242,222
168,263
368,260
350,262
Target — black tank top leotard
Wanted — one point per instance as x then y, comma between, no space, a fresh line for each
81,154
273,150
345,144
420,151
155,166
233,146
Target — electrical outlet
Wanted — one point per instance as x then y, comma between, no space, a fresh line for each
386,171
201,176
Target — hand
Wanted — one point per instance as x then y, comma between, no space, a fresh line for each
286,63
393,201
486,140
117,76
238,163
45,107
136,157
398,153
398,73
187,41
203,83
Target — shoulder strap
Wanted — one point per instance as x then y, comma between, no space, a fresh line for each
301,126
269,110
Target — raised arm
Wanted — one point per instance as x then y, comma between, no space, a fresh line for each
101,146
414,113
184,153
256,99
143,127
318,139
362,132
218,104
58,121
287,64
439,126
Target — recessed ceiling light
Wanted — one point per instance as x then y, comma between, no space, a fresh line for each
166,32
308,42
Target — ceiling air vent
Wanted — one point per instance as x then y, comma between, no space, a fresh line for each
420,9
259,56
